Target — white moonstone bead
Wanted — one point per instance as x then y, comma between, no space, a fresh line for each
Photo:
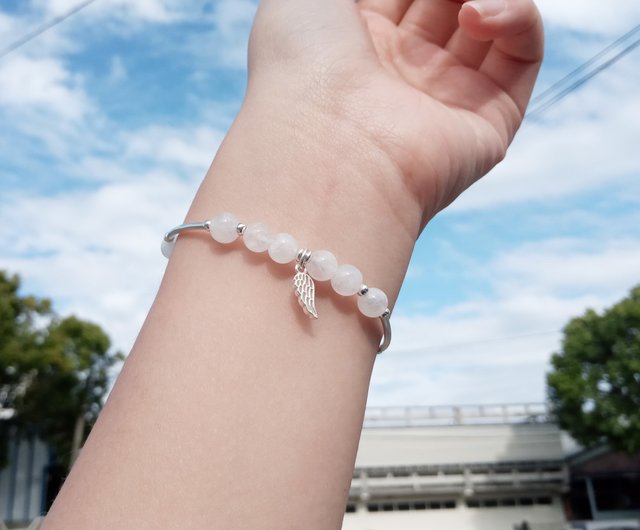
322,265
347,280
224,228
167,247
283,248
257,237
373,303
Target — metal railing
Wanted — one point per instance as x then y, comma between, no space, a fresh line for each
424,416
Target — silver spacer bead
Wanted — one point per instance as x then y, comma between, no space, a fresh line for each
302,258
304,254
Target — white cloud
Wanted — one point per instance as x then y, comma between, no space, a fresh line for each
590,16
497,347
7,26
42,97
219,39
587,142
14,28
158,11
225,43
230,18
44,83
233,20
191,146
96,252
567,265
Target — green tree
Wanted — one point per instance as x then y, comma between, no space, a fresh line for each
20,337
54,372
594,387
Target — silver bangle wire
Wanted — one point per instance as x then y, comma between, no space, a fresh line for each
385,318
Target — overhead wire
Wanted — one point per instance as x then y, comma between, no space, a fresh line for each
43,28
552,94
548,98
558,84
552,97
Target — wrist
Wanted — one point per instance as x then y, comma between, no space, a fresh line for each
320,181
314,150
352,119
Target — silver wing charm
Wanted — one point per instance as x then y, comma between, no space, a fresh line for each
306,293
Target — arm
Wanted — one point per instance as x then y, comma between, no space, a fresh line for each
360,122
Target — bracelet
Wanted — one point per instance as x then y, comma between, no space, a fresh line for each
320,265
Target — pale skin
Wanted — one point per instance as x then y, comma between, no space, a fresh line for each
360,122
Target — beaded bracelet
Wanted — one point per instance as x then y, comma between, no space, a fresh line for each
320,265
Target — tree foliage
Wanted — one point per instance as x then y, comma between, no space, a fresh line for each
54,372
594,387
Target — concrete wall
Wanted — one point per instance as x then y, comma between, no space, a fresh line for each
461,518
459,444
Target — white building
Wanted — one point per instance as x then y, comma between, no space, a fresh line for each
477,468
439,468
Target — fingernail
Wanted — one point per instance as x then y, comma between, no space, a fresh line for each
488,8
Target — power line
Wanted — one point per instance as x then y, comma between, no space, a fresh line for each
556,86
543,107
561,94
41,29
537,111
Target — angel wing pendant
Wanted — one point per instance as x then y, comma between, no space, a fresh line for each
306,292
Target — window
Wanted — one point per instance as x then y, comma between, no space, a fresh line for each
617,493
508,502
407,505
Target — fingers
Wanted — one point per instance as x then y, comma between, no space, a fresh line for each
394,10
433,20
515,28
467,50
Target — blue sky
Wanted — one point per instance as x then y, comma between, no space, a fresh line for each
109,121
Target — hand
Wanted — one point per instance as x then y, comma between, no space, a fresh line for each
439,86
